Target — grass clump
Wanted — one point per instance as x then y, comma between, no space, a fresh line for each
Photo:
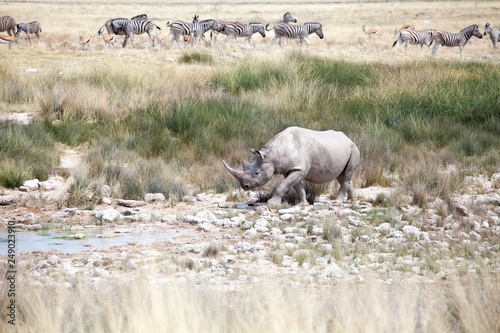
196,57
26,152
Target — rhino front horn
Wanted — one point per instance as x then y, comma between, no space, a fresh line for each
236,173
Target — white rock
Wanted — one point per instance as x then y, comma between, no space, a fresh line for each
384,227
477,226
353,270
276,232
47,185
108,215
411,230
154,197
332,271
262,223
206,216
250,233
52,260
169,218
475,235
32,185
396,234
107,201
287,211
207,227
246,225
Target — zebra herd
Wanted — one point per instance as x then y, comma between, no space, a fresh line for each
193,32
283,29
426,37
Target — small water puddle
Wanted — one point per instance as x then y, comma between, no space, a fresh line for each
59,240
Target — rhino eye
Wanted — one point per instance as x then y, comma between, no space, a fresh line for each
257,172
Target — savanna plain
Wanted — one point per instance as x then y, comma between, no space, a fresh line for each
106,131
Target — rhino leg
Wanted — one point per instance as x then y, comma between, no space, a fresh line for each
294,180
301,191
345,178
345,188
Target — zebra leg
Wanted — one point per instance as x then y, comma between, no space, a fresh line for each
29,38
251,43
239,44
307,42
151,38
274,39
434,50
281,42
172,41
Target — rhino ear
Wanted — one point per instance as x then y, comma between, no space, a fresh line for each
256,152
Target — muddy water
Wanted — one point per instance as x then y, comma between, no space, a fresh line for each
56,240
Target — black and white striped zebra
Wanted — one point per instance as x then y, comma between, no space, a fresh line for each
234,30
30,28
141,24
199,29
120,27
414,37
7,23
195,30
214,33
284,30
494,35
459,39
181,28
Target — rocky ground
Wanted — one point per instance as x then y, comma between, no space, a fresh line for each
226,243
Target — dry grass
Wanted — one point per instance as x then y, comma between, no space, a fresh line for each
463,305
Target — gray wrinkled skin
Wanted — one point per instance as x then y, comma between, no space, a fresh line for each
297,154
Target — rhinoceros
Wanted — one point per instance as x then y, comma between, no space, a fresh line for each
297,154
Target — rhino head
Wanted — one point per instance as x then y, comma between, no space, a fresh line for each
255,174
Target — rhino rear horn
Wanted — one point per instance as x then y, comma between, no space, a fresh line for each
236,173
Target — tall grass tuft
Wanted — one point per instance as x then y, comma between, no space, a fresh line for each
27,152
196,57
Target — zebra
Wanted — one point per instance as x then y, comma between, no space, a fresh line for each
30,28
141,24
199,29
214,33
7,23
287,18
137,25
494,35
414,37
455,39
285,30
120,27
139,17
195,30
234,30
181,28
